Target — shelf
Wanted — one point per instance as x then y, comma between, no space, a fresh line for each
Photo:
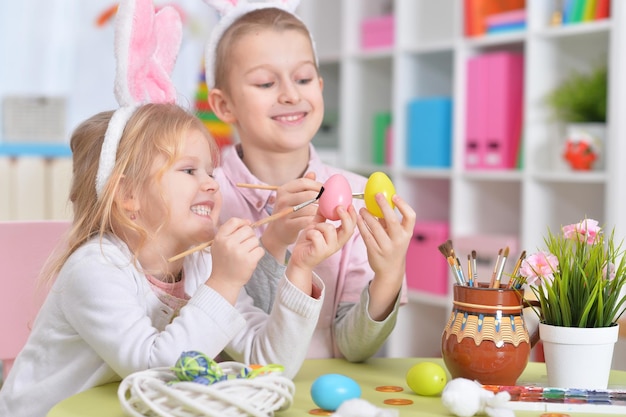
577,30
495,40
428,173
429,59
44,150
494,176
571,177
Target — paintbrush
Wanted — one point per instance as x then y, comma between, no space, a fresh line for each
455,270
495,270
516,268
275,187
505,255
256,224
470,274
475,268
446,250
459,269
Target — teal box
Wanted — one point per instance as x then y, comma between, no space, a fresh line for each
429,130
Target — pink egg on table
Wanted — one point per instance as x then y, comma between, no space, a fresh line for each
337,192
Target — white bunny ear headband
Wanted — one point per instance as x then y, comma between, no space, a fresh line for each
146,47
230,11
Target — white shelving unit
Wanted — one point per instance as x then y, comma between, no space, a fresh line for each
429,59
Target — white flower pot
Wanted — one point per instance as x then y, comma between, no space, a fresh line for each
578,357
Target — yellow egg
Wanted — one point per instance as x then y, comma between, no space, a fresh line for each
378,182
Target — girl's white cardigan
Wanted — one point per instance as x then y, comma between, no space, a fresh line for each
101,322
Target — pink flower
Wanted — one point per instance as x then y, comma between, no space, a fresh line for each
539,266
586,230
610,274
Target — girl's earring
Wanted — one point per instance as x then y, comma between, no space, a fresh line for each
132,216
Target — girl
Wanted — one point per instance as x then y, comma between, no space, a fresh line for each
118,306
263,78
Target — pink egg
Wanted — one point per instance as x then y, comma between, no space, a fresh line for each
337,192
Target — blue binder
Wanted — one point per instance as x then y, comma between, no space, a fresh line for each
429,132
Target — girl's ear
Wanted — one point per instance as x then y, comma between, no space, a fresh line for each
126,198
221,106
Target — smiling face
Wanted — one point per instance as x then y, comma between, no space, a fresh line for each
191,195
273,92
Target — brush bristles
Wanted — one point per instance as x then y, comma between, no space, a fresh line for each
445,248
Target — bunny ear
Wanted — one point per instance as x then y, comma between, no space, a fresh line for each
223,7
146,47
291,5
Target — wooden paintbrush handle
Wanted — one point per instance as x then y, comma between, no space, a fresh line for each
256,224
273,217
190,251
257,186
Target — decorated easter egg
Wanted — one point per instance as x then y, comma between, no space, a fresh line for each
337,192
378,182
192,365
426,378
331,390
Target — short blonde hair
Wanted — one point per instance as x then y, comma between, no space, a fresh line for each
256,20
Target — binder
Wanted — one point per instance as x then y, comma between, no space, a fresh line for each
504,100
476,115
429,128
603,9
494,110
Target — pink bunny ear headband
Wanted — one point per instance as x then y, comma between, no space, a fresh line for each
146,47
231,10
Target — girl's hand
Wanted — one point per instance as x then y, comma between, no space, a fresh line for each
317,242
283,232
235,253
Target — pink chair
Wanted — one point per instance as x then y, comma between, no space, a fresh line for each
24,248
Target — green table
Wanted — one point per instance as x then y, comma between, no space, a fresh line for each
102,401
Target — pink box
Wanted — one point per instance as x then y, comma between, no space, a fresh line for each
426,268
377,32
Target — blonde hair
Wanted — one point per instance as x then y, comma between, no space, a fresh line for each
153,130
256,20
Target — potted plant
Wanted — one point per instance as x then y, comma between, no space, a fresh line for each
580,102
578,283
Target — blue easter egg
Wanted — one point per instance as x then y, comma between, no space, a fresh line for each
330,390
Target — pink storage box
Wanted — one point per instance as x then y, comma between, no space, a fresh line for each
426,268
377,32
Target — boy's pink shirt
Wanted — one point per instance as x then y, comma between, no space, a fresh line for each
345,274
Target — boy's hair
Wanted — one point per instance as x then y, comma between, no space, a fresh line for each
255,20
154,130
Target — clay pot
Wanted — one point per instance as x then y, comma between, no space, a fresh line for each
486,338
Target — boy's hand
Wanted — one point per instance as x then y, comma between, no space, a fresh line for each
283,232
235,254
387,240
317,242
